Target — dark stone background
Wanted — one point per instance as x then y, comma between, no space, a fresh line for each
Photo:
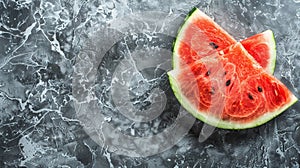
40,41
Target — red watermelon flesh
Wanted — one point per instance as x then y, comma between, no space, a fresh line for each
263,49
253,90
219,82
202,37
230,90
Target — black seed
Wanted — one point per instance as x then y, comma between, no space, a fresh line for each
250,96
212,91
225,72
259,89
214,45
228,82
207,73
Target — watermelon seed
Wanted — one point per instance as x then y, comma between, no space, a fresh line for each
214,45
259,89
228,82
250,96
207,73
212,91
225,72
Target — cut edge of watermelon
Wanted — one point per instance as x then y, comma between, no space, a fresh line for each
213,121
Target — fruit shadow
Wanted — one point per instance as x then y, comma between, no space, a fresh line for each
220,138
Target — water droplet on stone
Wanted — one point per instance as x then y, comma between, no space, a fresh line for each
298,12
107,119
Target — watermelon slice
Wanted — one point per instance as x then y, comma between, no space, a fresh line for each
219,82
262,48
201,28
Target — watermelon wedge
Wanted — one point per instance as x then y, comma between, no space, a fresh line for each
201,28
262,48
219,82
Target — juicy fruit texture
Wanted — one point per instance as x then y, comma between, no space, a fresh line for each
202,37
197,38
230,90
219,82
262,48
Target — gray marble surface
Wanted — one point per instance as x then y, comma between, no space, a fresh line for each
84,84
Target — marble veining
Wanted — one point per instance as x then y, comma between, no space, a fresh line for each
83,84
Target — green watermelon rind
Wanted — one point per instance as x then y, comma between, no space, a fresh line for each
201,115
213,121
272,43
